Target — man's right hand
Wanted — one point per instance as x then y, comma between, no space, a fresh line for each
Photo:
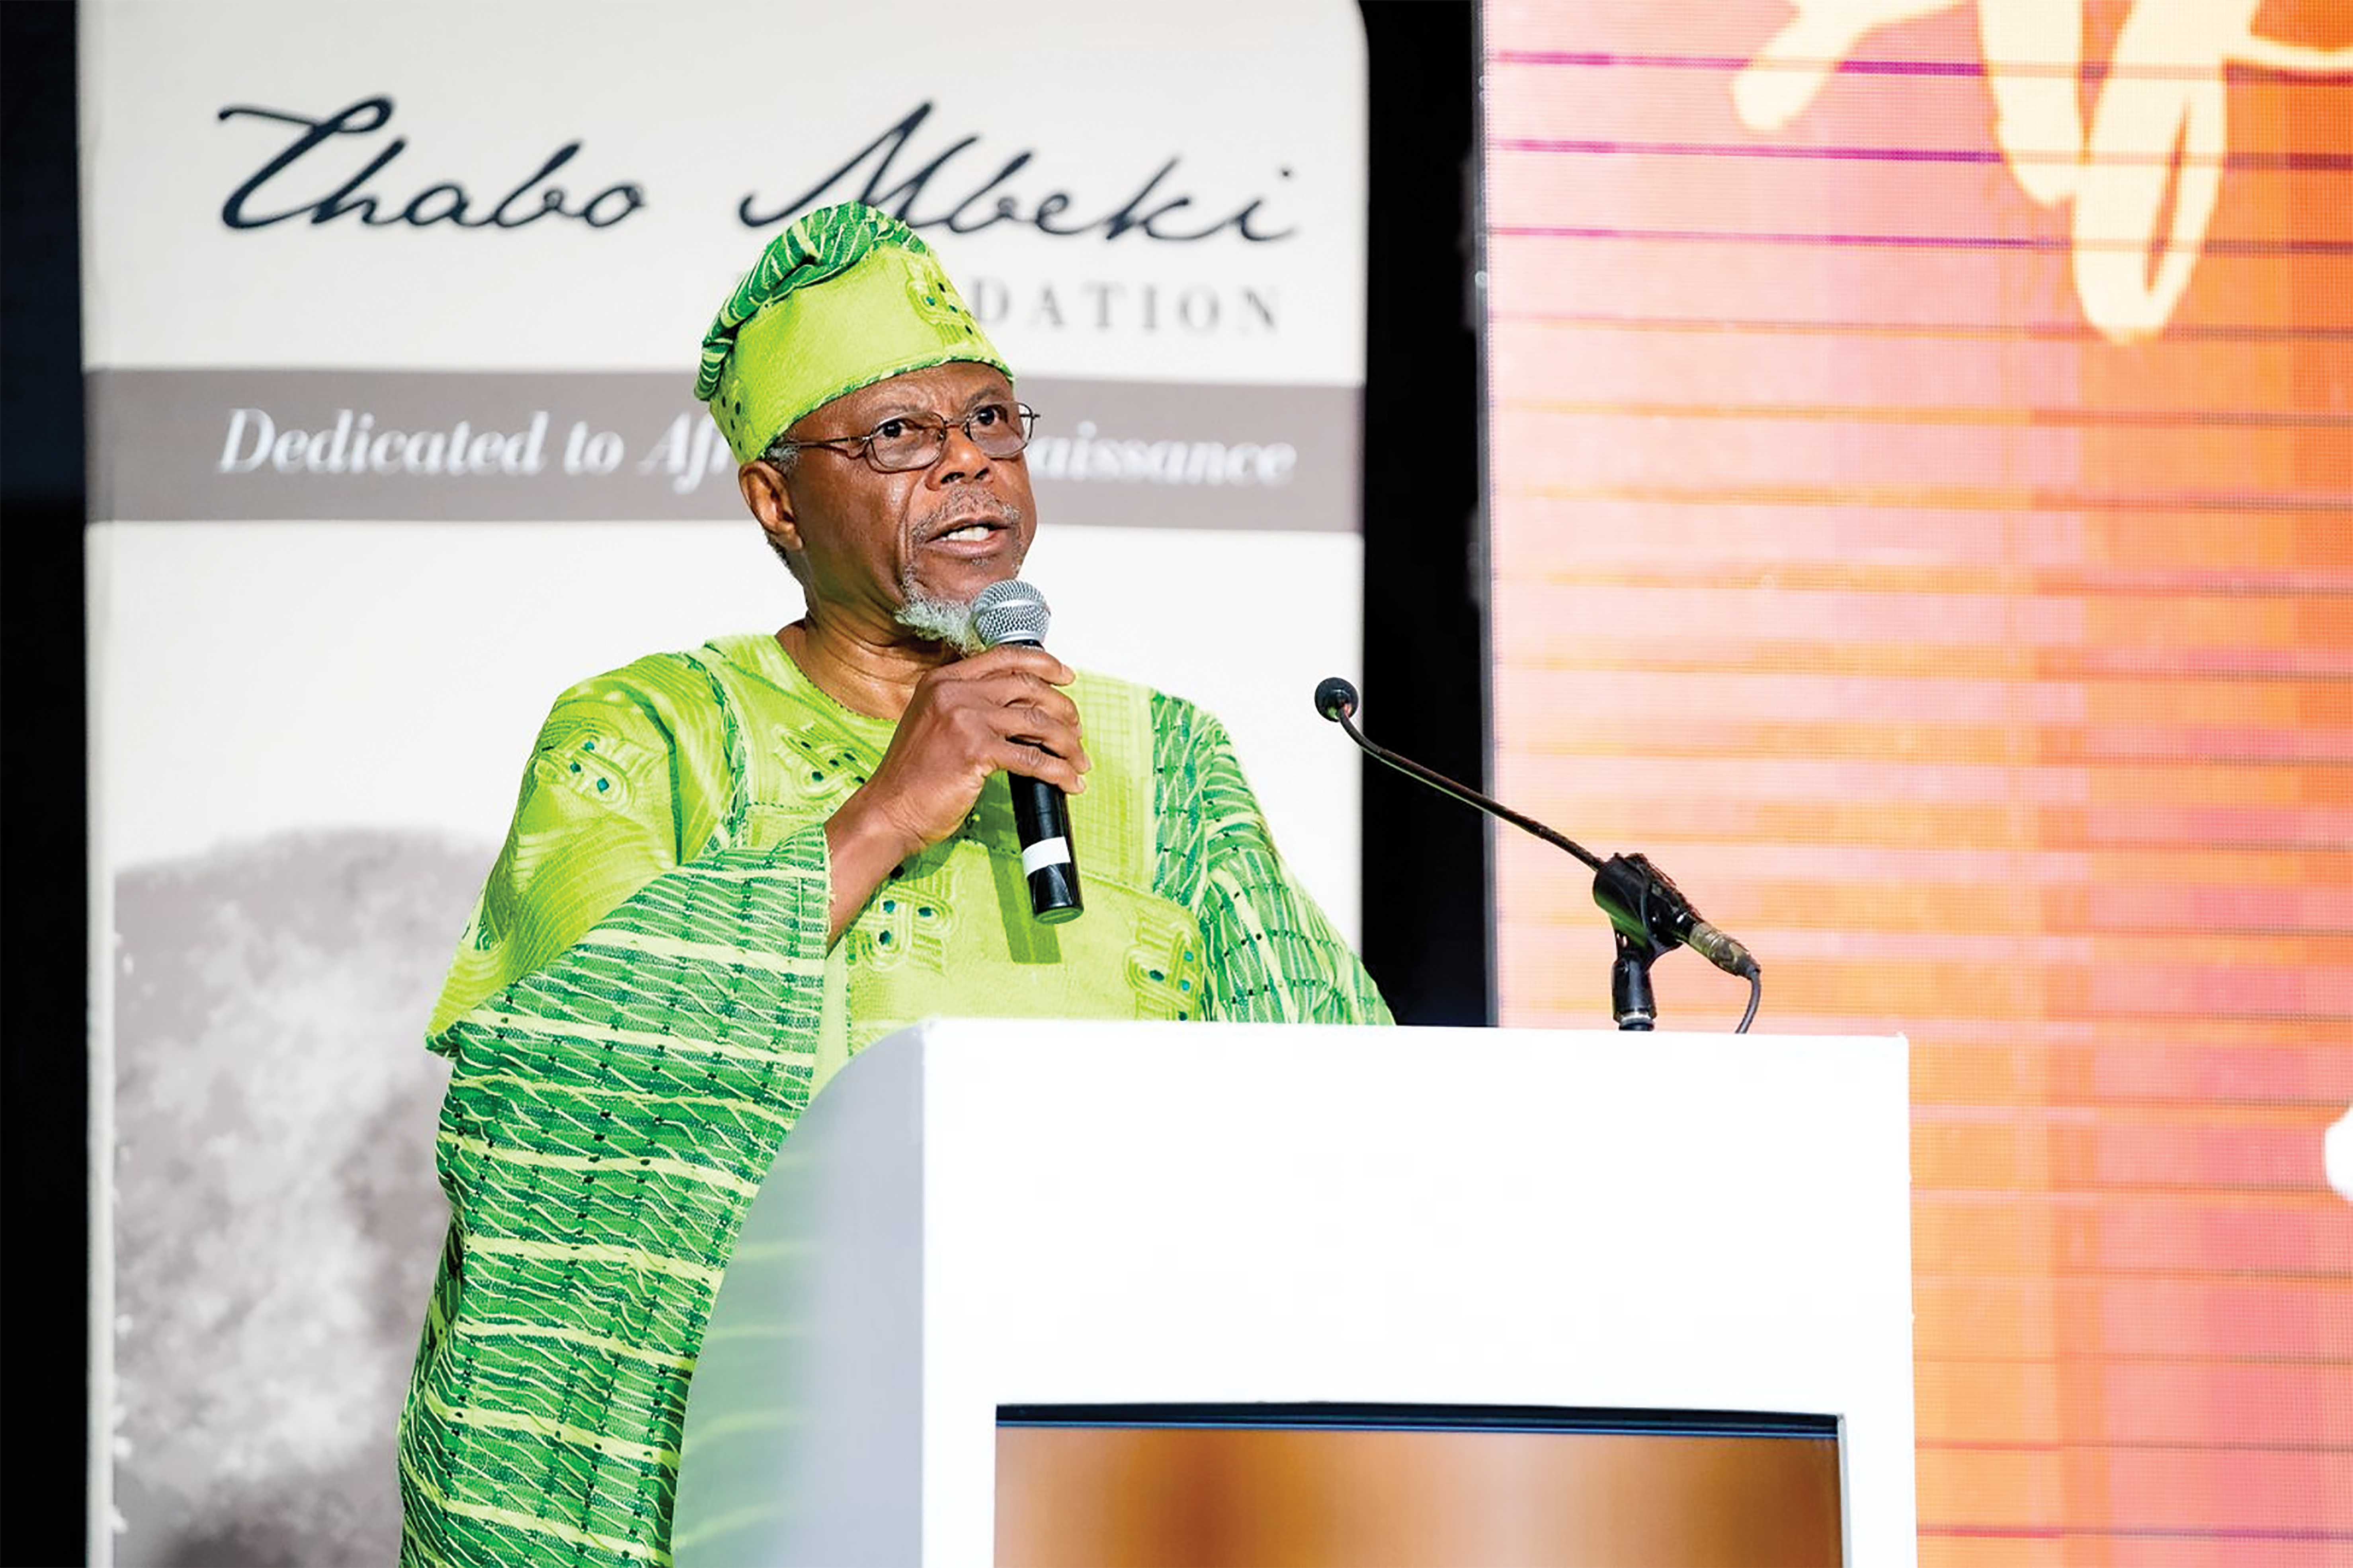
996,712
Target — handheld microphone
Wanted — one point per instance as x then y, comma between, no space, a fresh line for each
1014,614
1643,904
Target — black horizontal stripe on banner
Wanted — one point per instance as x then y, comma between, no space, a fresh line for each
1384,1418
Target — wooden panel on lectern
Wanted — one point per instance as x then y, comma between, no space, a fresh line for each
1303,1498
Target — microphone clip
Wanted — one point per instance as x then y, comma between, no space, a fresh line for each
1641,901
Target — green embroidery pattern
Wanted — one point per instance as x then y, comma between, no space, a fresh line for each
844,298
612,1112
607,1122
1271,957
816,246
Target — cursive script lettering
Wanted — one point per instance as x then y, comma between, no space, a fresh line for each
446,201
2158,137
1149,212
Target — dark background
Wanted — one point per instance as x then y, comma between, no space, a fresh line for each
1425,934
44,1096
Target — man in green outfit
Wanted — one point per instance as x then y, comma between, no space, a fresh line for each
732,869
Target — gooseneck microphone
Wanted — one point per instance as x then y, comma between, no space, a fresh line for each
1013,613
1649,913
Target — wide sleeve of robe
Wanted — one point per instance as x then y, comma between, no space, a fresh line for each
631,1022
1272,955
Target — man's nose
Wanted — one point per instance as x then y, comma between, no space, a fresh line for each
960,455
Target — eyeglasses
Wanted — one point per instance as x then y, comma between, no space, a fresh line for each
912,441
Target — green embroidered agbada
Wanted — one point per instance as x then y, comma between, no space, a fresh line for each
644,1002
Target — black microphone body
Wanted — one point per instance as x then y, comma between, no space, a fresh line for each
1013,614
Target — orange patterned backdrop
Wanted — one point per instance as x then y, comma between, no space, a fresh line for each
1922,509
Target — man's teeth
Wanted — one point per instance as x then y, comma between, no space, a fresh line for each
970,530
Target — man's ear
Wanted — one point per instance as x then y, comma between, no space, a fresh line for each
764,494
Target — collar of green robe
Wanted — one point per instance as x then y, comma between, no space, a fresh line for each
844,297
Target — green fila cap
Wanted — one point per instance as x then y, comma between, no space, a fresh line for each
847,296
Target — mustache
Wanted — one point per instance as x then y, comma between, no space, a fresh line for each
965,510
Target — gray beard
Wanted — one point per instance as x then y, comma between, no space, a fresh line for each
938,620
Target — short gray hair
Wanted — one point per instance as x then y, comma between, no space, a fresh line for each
781,454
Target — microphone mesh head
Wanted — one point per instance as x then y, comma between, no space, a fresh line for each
1011,611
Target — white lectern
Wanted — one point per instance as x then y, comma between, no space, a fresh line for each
976,1215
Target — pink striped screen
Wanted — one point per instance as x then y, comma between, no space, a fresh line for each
1921,477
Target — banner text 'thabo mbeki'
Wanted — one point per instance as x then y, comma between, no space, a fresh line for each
930,196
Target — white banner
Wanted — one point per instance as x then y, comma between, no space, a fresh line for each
1165,193
391,315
